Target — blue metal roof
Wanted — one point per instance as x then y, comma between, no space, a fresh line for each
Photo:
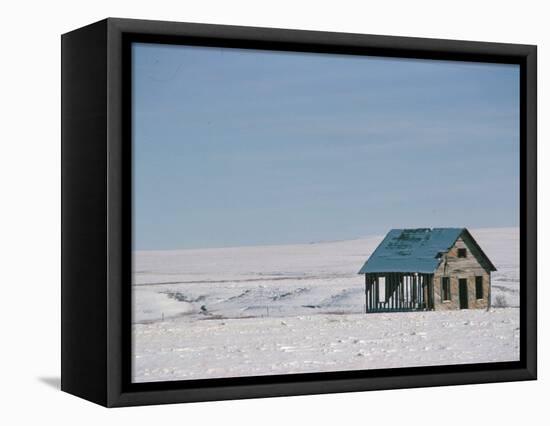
411,250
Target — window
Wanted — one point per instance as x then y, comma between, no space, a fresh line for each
445,288
479,287
461,252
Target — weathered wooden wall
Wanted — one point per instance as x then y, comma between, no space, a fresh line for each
456,268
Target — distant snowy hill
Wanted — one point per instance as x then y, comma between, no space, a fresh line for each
284,280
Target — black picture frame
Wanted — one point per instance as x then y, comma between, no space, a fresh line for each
96,212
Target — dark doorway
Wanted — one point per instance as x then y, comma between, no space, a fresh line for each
463,293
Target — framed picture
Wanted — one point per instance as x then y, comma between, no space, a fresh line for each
254,212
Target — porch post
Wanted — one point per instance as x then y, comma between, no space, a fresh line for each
366,297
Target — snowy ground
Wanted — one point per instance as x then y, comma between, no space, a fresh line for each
183,349
297,308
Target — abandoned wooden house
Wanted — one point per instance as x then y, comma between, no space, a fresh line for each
427,269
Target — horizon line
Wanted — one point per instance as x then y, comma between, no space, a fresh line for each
317,241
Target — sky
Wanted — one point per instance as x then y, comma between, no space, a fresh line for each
235,147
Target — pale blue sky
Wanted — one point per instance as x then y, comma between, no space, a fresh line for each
243,147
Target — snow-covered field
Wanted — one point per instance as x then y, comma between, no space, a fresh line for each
298,308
